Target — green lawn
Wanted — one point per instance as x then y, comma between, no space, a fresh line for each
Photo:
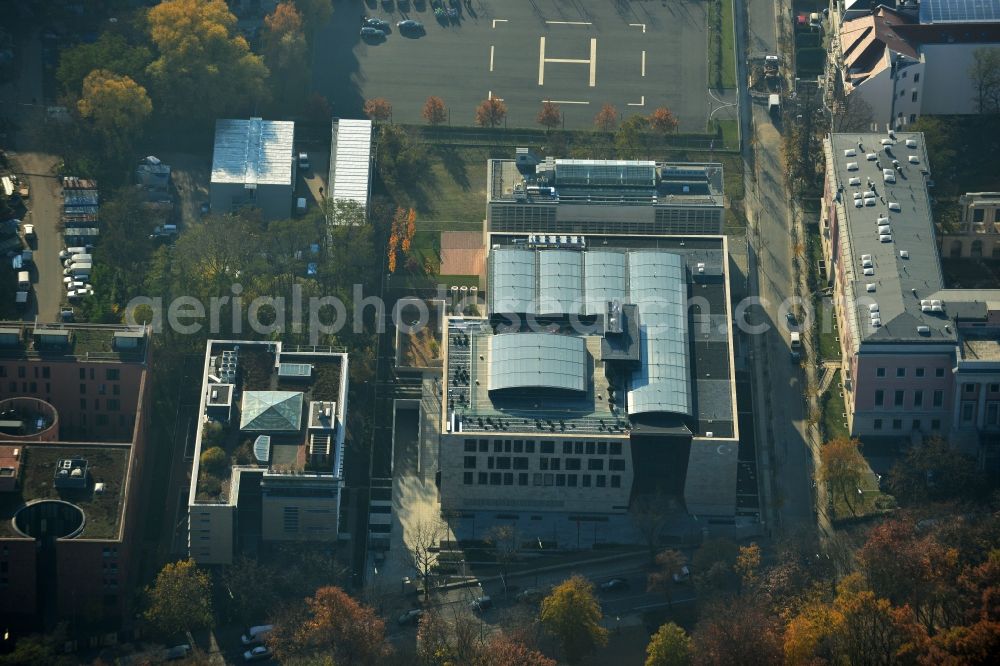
730,132
829,346
833,407
721,47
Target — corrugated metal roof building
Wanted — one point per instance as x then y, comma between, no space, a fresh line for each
253,166
351,161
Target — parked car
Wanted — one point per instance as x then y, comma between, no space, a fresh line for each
70,251
67,314
410,26
410,616
481,604
614,585
258,653
791,321
682,575
377,23
29,232
372,33
304,157
256,634
178,652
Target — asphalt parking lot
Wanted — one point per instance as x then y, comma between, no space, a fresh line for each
581,54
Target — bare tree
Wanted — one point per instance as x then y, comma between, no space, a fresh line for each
505,541
649,515
985,75
850,112
422,543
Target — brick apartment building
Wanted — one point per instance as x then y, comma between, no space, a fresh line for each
73,409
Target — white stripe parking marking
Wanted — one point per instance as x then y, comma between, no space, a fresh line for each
491,58
641,102
495,21
541,61
638,25
569,22
643,61
592,61
563,101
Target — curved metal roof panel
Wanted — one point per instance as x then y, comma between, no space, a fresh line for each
605,280
537,360
512,280
560,282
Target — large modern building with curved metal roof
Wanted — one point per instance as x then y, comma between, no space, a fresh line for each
602,368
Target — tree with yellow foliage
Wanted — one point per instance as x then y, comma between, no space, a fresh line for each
286,54
117,106
204,69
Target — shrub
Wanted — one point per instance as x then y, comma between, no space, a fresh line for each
211,434
213,459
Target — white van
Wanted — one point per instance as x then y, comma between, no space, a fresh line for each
23,281
78,259
77,270
257,634
70,251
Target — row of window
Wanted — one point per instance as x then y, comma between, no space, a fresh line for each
979,214
102,389
542,479
899,398
546,464
113,404
901,372
913,98
110,374
528,446
897,424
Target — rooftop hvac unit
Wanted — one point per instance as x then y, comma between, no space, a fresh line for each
870,287
887,142
911,143
871,157
701,267
904,254
885,238
924,330
850,152
869,271
888,175
852,166
937,308
894,207
937,303
925,308
854,181
914,159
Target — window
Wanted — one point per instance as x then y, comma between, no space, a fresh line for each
578,448
572,463
561,480
46,372
935,424
102,419
567,448
991,413
470,446
994,388
938,397
916,424
616,448
602,448
83,389
877,425
3,371
601,481
554,463
595,464
969,388
916,76
484,478
522,479
571,480
536,479
879,397
33,387
549,479
900,372
91,374
518,446
903,75
918,398
520,462
467,478
83,403
508,478
506,446
112,374
529,446
495,478
913,97
901,93
920,372
898,398
503,462
22,372
543,463
291,519
616,465
114,405
548,447
586,480
967,408
978,214
897,424
939,372
497,446
590,448
490,462
470,462
83,373
484,446
880,372
616,481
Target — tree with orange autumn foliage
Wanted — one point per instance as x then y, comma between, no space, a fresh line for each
550,117
334,624
663,120
378,109
435,111
606,119
491,112
404,226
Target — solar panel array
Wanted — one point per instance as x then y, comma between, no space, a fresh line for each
657,286
560,282
960,11
598,173
537,360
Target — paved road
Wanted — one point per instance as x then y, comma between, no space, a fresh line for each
583,53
